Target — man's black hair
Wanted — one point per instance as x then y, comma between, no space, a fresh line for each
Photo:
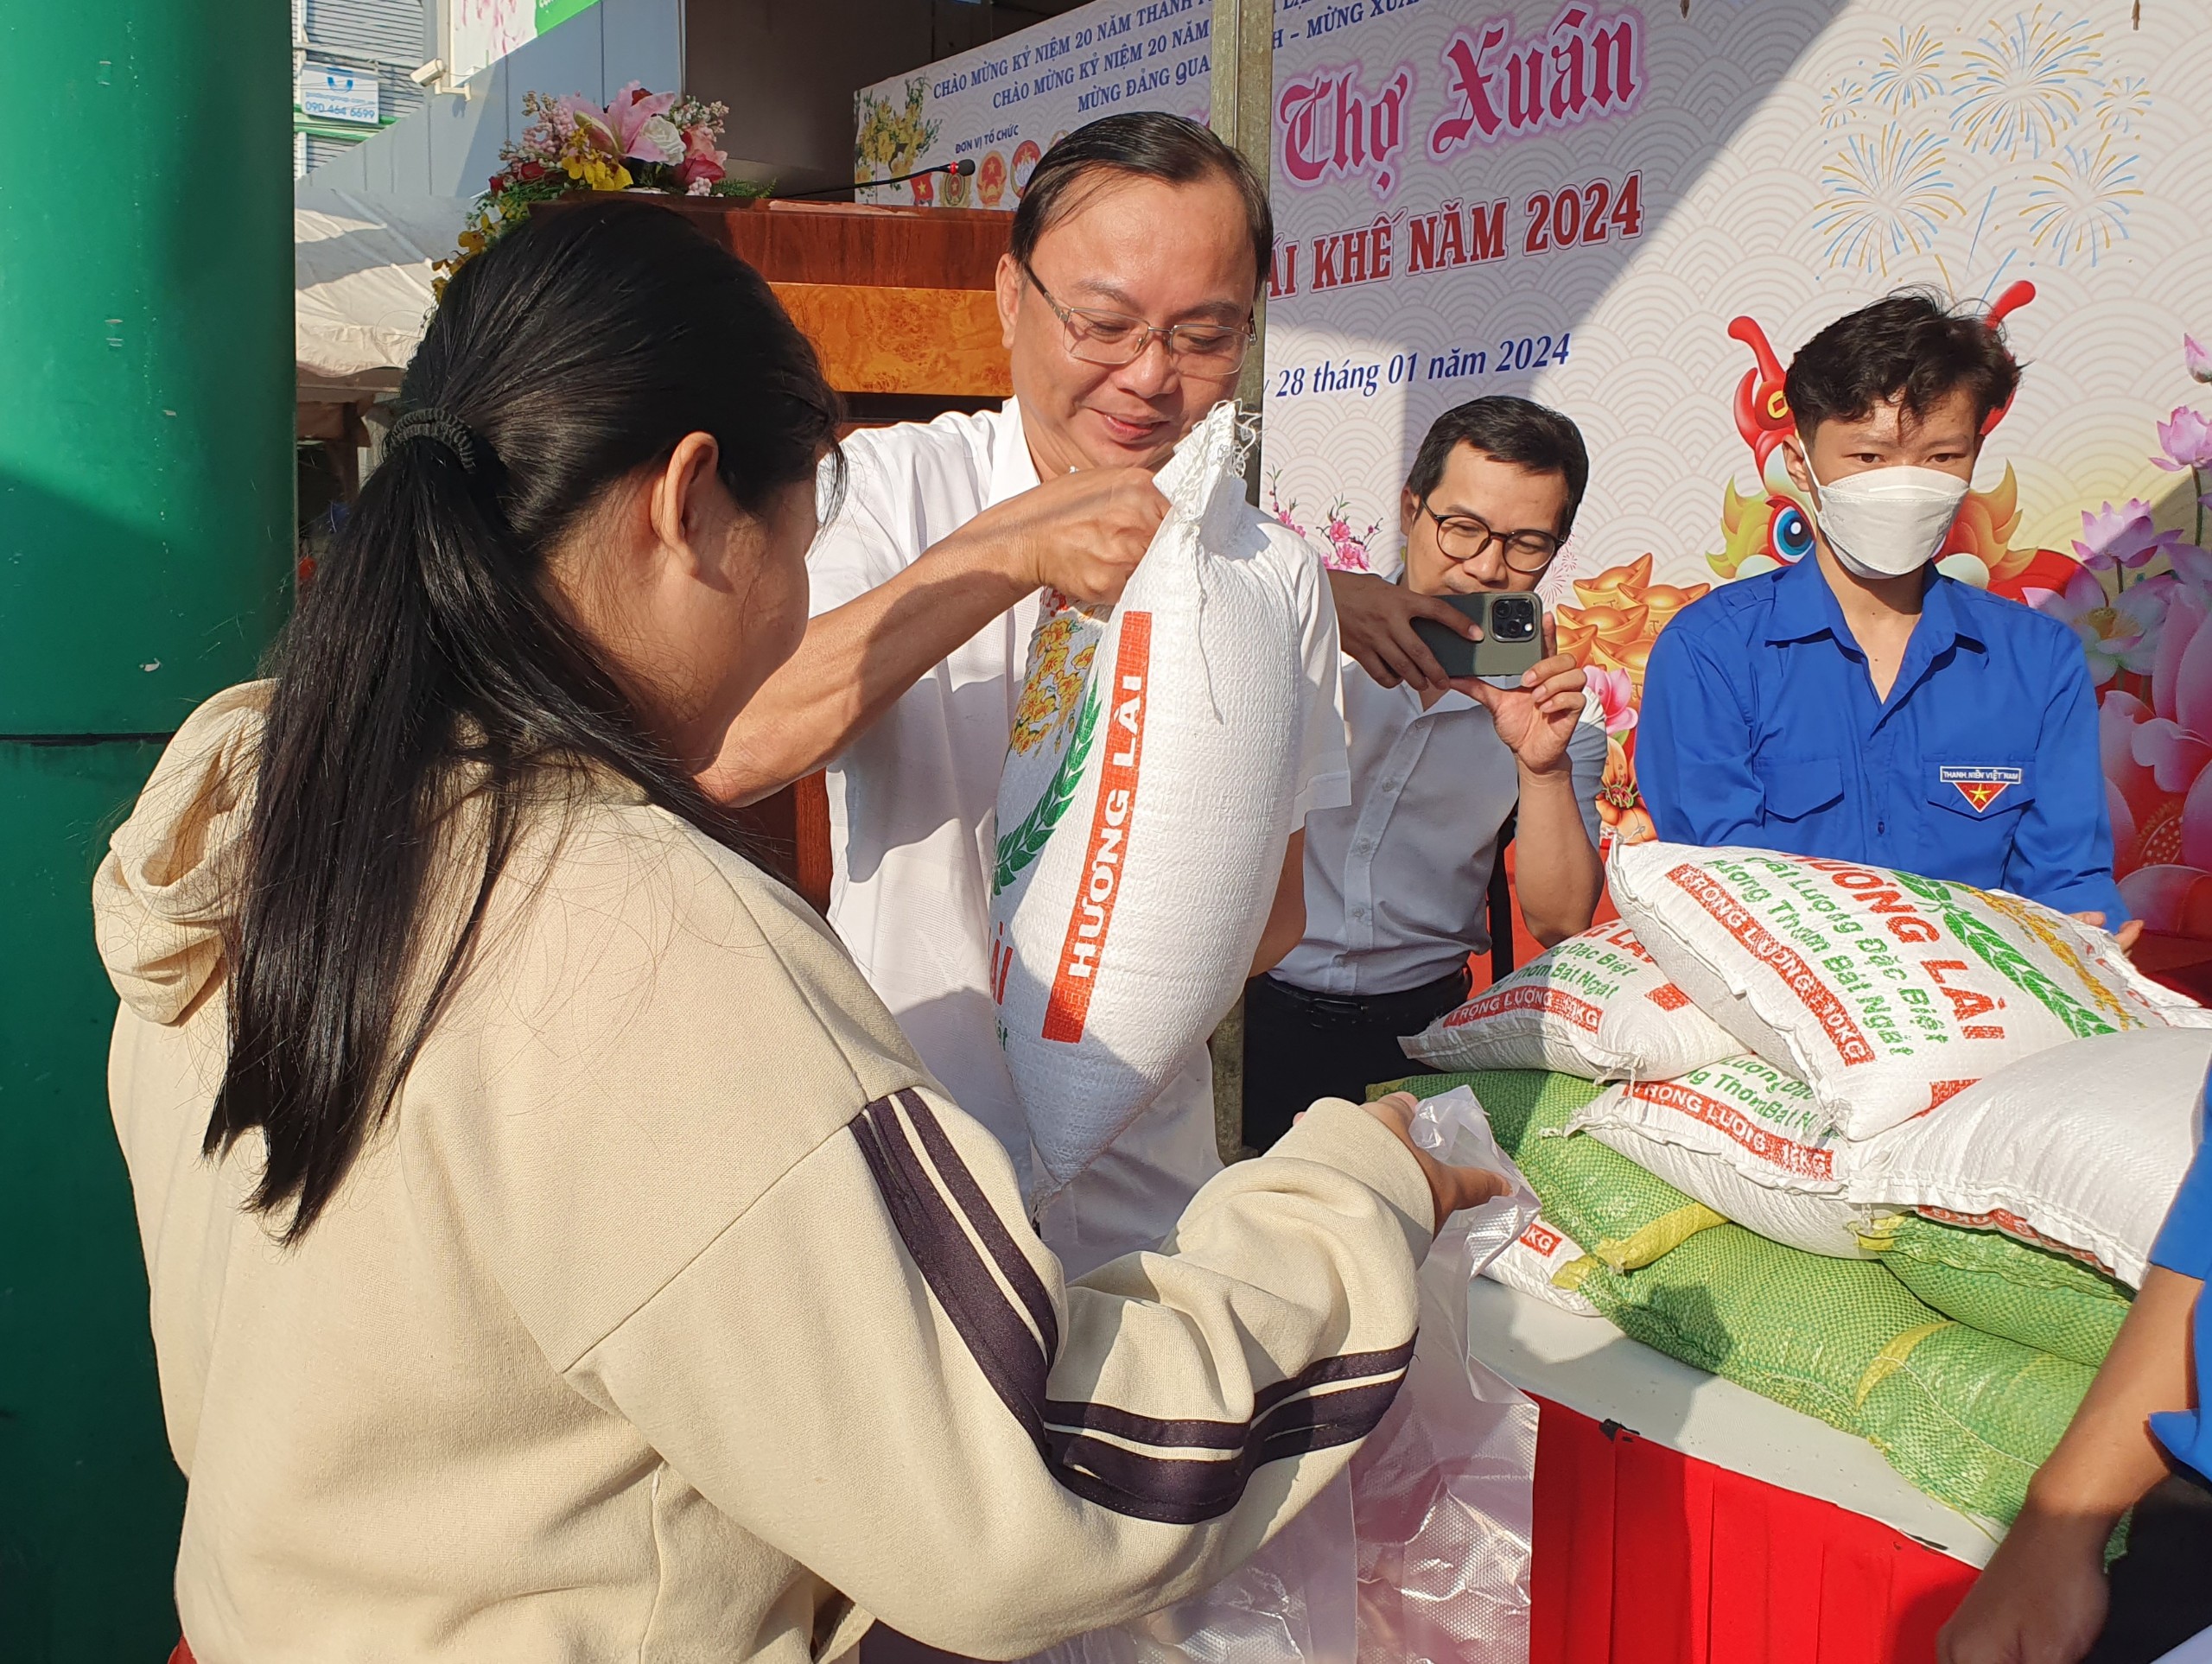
1517,430
1907,346
1148,145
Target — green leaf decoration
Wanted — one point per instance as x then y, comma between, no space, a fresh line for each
1026,842
2007,961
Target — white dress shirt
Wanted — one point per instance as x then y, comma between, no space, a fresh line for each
1397,883
912,804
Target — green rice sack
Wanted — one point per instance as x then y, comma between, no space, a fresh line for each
1622,1215
1990,1282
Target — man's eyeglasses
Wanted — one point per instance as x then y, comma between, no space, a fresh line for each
1205,349
1465,537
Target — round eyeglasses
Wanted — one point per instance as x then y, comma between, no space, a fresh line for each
1094,337
1466,536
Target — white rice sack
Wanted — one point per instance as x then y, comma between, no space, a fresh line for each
1886,993
1531,1260
1144,810
1595,1005
1745,1140
2079,1148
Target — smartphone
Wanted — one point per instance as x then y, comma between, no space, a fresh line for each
1512,623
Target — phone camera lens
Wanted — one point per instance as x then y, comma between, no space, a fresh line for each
1513,619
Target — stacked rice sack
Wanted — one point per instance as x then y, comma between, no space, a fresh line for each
1913,1141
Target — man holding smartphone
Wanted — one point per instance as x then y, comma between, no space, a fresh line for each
1397,883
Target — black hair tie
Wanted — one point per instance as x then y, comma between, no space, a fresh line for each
442,427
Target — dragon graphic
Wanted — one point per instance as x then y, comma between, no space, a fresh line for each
1771,526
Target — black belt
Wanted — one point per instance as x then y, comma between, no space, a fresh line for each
1404,1012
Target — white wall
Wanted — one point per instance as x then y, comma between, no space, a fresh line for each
451,147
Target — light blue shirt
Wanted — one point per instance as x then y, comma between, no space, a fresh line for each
1760,726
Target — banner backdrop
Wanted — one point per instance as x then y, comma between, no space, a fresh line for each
1005,103
1636,212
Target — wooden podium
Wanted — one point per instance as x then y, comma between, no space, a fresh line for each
900,304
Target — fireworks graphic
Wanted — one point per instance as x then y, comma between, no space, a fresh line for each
2078,201
1905,76
1888,196
2124,101
1840,105
2026,83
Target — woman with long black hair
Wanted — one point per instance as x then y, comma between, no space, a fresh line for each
557,1253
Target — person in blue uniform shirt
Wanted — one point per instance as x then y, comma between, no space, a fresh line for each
1860,705
2141,1441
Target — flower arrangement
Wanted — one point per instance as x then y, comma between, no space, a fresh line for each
658,141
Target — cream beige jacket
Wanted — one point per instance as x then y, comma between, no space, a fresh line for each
675,1314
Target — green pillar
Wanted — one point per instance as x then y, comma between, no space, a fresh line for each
145,543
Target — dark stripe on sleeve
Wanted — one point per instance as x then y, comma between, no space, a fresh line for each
1001,1344
1223,1435
967,1195
1176,1491
1181,1491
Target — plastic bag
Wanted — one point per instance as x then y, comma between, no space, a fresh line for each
1419,1550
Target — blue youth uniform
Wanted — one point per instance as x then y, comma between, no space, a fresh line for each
2184,1245
1760,727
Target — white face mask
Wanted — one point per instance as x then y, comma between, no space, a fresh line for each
1887,522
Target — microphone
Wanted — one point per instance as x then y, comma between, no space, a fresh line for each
964,168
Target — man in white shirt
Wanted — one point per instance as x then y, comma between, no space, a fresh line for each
1397,881
1127,304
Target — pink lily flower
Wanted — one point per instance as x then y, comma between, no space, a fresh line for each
641,125
2199,360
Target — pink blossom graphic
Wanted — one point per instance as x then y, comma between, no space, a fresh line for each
1615,691
2122,537
1347,547
2186,437
1342,549
2118,634
2199,360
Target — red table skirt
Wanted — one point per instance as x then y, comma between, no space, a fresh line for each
1643,1555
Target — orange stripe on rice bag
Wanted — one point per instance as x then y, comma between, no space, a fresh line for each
1595,1005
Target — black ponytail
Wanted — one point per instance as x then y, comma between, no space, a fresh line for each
427,661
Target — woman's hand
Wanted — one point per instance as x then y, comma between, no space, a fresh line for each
2041,1601
1450,1188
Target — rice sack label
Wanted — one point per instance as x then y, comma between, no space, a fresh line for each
1747,1141
1144,808
1595,1005
2078,1150
1548,1264
1885,992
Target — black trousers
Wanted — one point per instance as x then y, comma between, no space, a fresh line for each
1298,1046
2162,1586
